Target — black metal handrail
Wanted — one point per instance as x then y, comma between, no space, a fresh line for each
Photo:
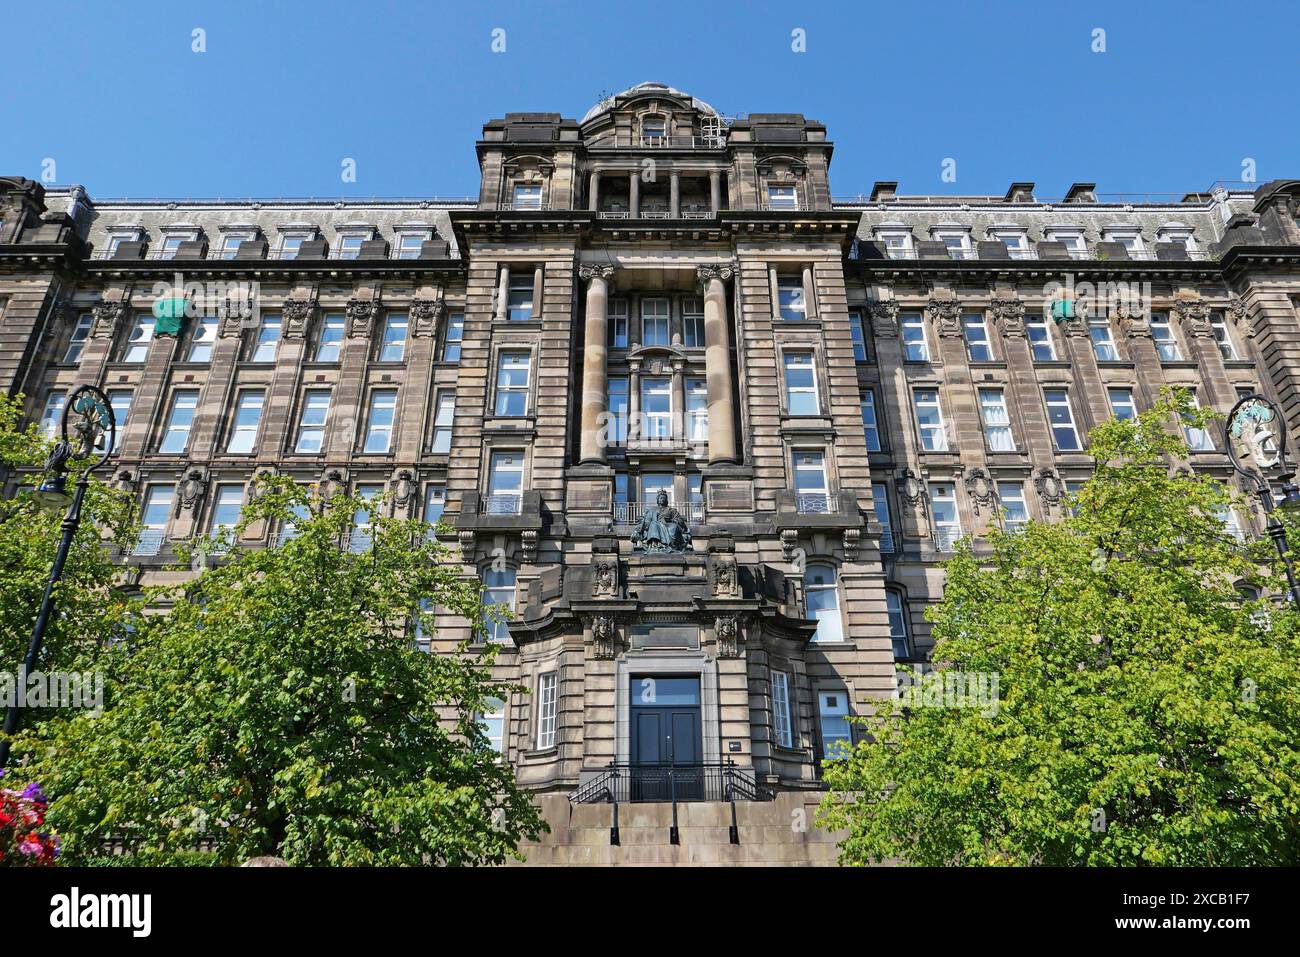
640,783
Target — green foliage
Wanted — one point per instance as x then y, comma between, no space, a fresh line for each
1149,710
280,707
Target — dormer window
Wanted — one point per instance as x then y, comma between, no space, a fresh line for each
896,242
348,245
117,236
171,245
1071,239
230,243
956,241
1015,240
782,197
528,196
1130,239
654,130
291,242
410,242
1181,235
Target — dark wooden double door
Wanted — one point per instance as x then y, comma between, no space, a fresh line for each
666,746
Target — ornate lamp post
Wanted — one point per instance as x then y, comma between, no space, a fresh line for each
94,431
1256,441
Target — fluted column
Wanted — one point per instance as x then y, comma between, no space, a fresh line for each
595,389
717,364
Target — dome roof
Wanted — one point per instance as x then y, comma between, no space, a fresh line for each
604,106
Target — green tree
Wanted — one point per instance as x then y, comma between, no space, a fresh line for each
1148,705
281,707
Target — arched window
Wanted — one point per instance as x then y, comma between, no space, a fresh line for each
823,602
498,589
898,630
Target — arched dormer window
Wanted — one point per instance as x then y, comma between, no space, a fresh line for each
654,129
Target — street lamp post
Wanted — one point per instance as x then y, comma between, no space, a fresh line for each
94,431
1256,443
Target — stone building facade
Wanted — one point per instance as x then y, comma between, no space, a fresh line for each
657,297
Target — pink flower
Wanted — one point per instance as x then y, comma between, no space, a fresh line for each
31,846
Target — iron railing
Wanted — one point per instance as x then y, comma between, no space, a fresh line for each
946,538
629,513
503,505
642,783
149,543
813,503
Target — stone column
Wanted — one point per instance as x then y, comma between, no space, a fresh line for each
679,404
809,294
503,293
634,402
593,192
634,194
539,288
674,195
595,389
717,364
715,191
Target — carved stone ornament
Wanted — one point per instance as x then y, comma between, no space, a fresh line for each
425,316
589,271
1194,314
884,318
124,480
1049,486
1134,322
231,325
1010,317
361,317
946,316
789,542
979,487
911,489
108,317
852,536
1241,317
605,579
727,628
192,487
403,487
330,483
1076,327
467,541
706,274
297,315
604,632
528,546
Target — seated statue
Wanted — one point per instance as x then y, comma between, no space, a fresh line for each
662,528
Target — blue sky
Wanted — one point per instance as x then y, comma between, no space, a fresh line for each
113,93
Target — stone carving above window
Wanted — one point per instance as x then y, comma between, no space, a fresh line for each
946,316
1010,317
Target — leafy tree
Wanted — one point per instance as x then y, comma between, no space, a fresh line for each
88,608
280,707
1148,704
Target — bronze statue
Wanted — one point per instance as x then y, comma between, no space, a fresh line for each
662,528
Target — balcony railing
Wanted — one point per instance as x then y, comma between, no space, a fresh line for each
657,214
887,546
946,538
502,505
358,540
680,142
149,543
629,513
813,503
639,783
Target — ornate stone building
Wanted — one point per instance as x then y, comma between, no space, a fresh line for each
657,299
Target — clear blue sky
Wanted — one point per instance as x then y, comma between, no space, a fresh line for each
113,93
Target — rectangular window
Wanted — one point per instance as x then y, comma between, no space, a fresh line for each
493,722
362,535
1015,514
137,344
455,336
1061,418
528,196
227,502
833,716
52,414
350,245
506,483
248,415
870,424
202,339
781,709
498,590
616,425
1231,524
179,419
512,383
519,297
444,413
1227,348
857,329
801,384
291,245
329,347
654,322
915,348
230,245
810,490
997,423
171,245
1103,343
899,635
880,499
652,483
392,347
693,322
268,339
1198,440
1016,243
410,245
782,197
379,421
978,348
546,706
435,500
1163,335
790,298
929,421
78,341
153,519
1040,340
657,408
618,324
822,599
311,424
120,400
1122,405
697,410
943,511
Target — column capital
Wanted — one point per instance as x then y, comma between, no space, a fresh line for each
720,271
884,317
589,271
946,316
108,317
1010,316
425,315
1194,314
297,314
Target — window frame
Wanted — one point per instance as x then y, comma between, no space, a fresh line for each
1053,426
792,360
782,715
238,430
938,427
373,429
169,424
305,427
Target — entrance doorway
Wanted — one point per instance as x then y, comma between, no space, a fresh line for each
666,745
